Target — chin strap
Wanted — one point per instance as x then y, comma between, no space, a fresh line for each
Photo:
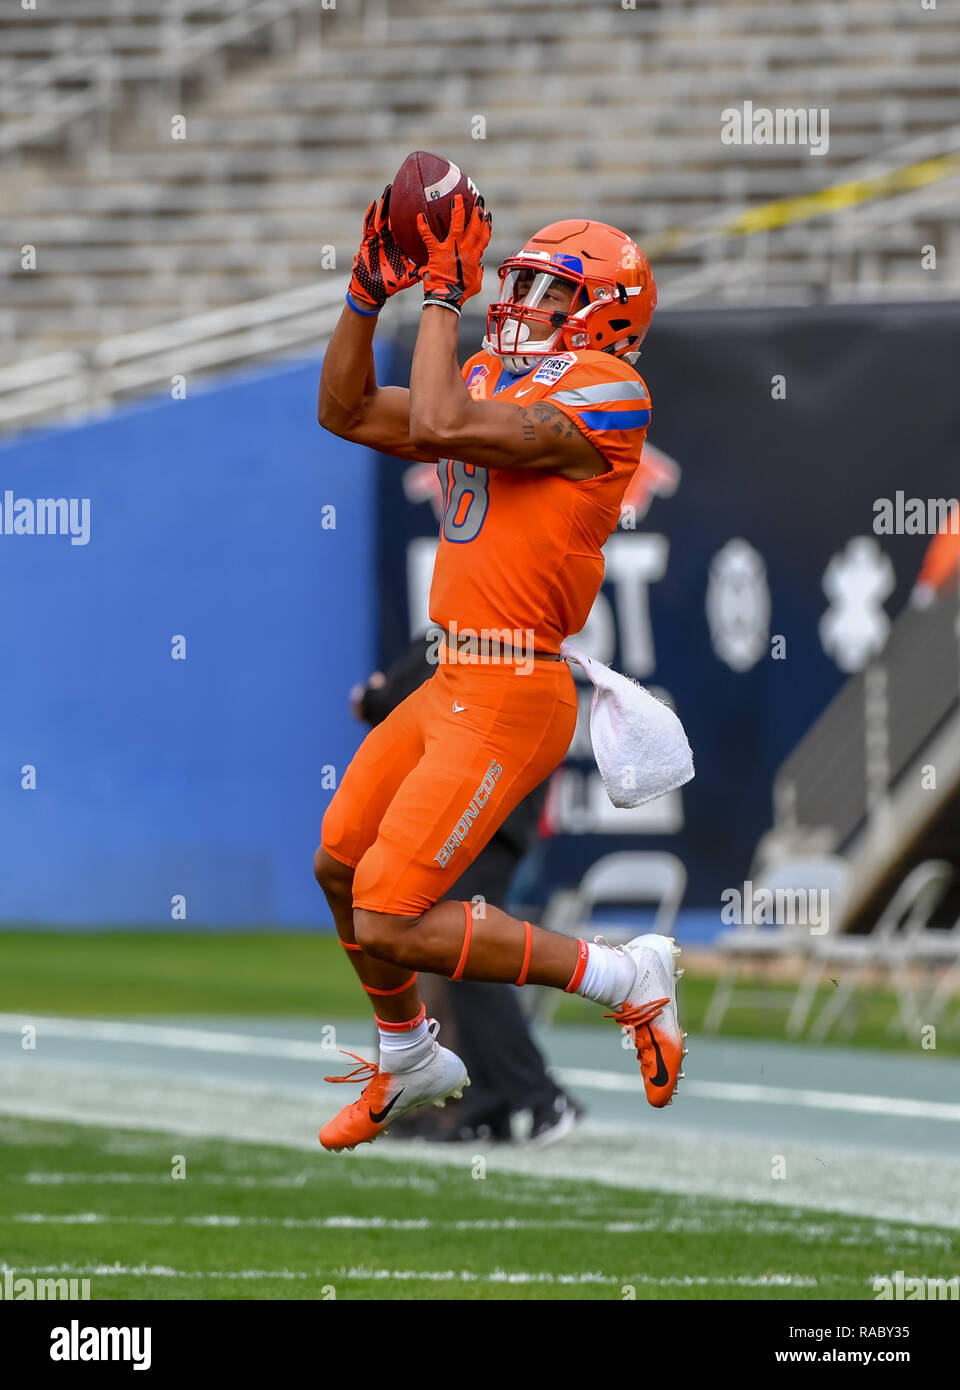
518,363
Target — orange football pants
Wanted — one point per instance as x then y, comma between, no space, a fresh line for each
430,785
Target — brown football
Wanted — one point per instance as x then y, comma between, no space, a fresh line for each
426,183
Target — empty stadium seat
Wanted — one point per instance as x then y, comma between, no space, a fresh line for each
295,120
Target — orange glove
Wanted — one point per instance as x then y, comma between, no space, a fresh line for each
454,269
380,268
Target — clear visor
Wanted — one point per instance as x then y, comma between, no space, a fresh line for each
533,307
538,289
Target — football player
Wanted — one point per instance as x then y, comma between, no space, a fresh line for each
535,442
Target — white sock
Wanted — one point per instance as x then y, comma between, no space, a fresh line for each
608,975
401,1051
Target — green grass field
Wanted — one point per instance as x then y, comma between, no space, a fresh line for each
271,974
252,1221
249,1222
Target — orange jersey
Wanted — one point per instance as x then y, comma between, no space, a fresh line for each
521,549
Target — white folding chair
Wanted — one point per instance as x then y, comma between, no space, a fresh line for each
766,944
934,954
887,946
637,877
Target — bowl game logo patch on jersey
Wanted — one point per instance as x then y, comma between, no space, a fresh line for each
554,367
477,374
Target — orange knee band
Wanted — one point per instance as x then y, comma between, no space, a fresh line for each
465,949
349,945
527,947
368,989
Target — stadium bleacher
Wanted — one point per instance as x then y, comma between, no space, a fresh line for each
297,114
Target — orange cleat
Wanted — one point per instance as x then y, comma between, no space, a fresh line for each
650,1014
387,1095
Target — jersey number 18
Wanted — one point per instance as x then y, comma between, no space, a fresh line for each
466,498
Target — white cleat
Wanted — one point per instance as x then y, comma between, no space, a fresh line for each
386,1095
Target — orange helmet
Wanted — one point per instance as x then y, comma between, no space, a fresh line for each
610,311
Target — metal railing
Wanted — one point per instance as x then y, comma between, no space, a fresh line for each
74,384
853,782
71,383
35,93
888,199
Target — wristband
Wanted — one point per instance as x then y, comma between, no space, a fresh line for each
442,303
366,313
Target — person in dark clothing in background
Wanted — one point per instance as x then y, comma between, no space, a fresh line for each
507,1071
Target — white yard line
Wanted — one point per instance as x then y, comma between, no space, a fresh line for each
255,1045
173,1036
914,1188
434,1276
746,1094
51,1179
712,1224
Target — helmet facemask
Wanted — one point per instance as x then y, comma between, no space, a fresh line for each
533,313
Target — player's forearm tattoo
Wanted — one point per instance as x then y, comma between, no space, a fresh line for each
543,413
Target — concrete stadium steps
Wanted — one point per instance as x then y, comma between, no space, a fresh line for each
618,112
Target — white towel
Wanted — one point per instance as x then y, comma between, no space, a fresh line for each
638,742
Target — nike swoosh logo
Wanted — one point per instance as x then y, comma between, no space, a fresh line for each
381,1115
662,1076
525,390
458,708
